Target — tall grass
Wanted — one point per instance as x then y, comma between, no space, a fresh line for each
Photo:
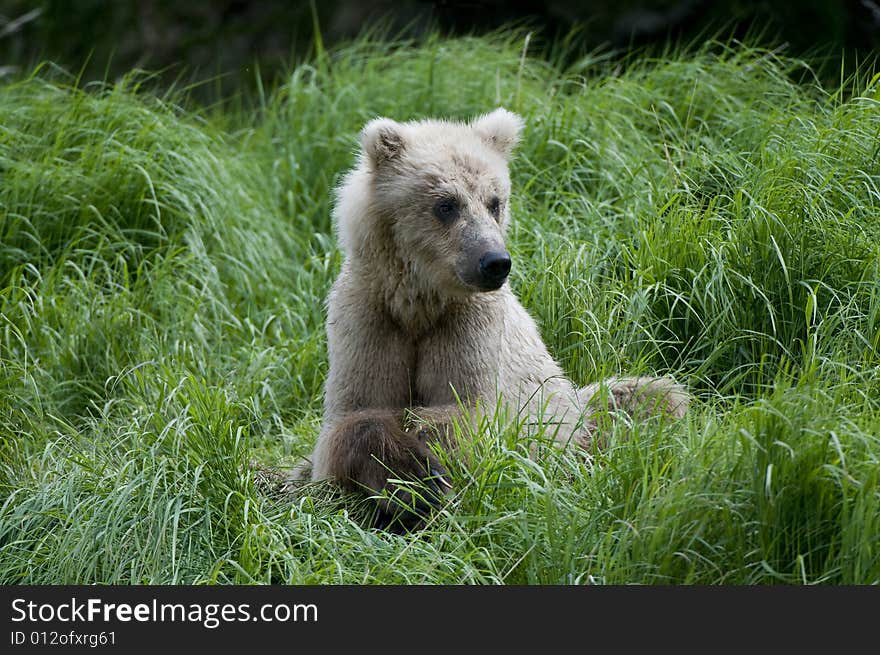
162,277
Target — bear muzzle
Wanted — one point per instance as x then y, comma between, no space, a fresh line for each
494,269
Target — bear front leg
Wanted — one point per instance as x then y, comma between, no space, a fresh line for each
370,451
436,423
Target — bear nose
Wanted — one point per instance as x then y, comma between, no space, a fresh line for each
494,267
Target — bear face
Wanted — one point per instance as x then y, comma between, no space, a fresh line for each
439,193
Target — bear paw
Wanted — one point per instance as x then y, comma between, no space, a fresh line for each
415,486
398,469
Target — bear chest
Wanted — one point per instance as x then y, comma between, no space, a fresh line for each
449,367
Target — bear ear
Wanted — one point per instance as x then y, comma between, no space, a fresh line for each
382,140
499,129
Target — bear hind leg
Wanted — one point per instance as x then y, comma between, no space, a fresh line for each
638,396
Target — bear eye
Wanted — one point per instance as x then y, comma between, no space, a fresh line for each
494,206
446,209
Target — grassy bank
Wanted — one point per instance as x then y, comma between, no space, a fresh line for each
162,277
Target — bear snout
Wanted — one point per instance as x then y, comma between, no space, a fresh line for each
494,268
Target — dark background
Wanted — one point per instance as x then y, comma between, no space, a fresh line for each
225,38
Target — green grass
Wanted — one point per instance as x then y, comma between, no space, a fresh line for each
712,215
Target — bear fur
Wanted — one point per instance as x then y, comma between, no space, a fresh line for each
422,323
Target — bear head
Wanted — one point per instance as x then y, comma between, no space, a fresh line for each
433,196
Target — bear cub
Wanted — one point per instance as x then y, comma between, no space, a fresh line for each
422,325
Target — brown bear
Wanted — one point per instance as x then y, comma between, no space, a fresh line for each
422,324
